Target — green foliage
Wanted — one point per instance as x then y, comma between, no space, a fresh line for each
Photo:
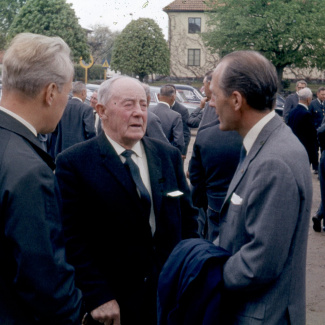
96,72
287,32
52,18
9,9
141,49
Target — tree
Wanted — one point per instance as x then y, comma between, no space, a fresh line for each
52,18
9,9
101,42
141,49
287,32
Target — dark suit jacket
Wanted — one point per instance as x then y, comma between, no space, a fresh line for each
109,240
190,284
181,109
209,115
290,102
213,163
172,124
195,118
154,128
76,125
36,283
316,110
302,125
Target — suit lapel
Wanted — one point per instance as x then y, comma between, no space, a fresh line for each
155,174
257,146
113,164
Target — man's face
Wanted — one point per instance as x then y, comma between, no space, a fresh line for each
321,95
224,105
93,100
300,86
125,116
206,85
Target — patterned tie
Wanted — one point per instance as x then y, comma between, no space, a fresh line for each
135,173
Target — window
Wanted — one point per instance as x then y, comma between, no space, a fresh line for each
194,25
194,57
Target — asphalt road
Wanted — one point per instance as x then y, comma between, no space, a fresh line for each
315,281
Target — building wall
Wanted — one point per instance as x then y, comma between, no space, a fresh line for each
180,41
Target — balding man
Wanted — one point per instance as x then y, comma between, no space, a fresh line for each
126,205
302,124
171,121
265,216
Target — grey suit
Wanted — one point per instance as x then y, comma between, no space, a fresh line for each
265,229
172,124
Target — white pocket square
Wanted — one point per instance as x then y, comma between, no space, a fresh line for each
175,193
236,199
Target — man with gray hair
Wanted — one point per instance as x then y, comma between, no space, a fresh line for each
126,205
291,101
37,284
301,122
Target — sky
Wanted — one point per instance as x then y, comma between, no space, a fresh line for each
116,14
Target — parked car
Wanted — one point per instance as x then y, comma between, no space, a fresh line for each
279,104
186,95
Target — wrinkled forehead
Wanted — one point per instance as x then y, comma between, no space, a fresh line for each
126,88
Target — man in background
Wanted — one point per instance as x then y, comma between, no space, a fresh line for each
77,123
292,100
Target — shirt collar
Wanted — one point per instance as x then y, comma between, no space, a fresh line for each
77,98
304,106
137,148
164,103
20,119
253,133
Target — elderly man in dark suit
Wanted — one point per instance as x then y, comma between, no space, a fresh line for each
126,205
265,216
301,122
77,123
171,121
37,284
292,100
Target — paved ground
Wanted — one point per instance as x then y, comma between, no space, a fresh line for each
315,282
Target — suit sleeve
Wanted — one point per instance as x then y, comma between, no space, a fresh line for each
269,216
195,118
197,178
178,135
186,132
43,278
89,123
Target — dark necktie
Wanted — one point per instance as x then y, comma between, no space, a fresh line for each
242,156
135,173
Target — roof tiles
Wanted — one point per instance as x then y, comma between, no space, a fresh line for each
186,5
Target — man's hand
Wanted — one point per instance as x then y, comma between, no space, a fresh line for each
108,313
203,102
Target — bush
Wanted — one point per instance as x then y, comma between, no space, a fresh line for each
96,72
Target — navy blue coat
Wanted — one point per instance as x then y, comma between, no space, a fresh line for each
213,163
302,125
190,284
317,110
76,125
109,239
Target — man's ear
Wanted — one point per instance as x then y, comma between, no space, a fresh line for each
237,100
50,93
100,109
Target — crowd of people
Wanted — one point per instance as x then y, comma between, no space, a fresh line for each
102,224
